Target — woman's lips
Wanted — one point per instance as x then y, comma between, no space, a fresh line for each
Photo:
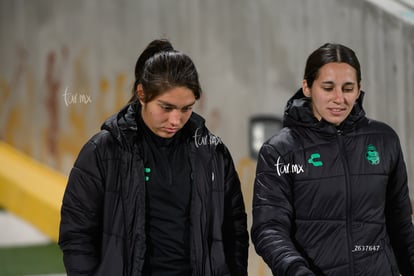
170,130
336,111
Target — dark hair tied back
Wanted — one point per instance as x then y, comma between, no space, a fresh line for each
160,68
154,47
327,53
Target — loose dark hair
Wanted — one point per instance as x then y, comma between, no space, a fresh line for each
160,68
327,53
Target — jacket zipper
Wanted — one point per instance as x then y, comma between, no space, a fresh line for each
348,200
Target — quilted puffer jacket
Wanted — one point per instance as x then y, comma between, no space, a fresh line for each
332,200
102,229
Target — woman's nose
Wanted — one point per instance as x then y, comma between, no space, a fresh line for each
339,95
175,117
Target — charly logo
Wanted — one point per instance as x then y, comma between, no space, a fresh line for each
372,155
315,160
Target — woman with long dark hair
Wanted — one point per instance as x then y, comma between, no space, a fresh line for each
155,192
331,194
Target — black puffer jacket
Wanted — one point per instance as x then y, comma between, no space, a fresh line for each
102,230
330,200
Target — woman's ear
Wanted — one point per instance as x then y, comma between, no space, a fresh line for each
359,89
306,89
140,93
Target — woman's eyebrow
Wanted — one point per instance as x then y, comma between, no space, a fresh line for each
331,82
174,106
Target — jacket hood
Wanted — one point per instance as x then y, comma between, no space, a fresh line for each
298,112
124,128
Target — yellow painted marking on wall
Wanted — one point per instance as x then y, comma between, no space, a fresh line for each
120,90
104,85
31,190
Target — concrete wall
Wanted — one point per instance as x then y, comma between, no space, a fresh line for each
67,65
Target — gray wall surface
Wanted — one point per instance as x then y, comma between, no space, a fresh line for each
250,56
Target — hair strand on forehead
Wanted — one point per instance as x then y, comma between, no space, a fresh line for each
338,54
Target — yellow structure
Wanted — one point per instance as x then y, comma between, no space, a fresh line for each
31,190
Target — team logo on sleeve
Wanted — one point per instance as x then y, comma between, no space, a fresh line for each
372,155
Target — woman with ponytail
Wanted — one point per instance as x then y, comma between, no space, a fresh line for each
155,192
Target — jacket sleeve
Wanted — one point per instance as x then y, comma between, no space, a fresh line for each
273,217
235,234
398,216
80,226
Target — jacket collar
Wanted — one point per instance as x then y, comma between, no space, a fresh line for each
124,128
298,112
